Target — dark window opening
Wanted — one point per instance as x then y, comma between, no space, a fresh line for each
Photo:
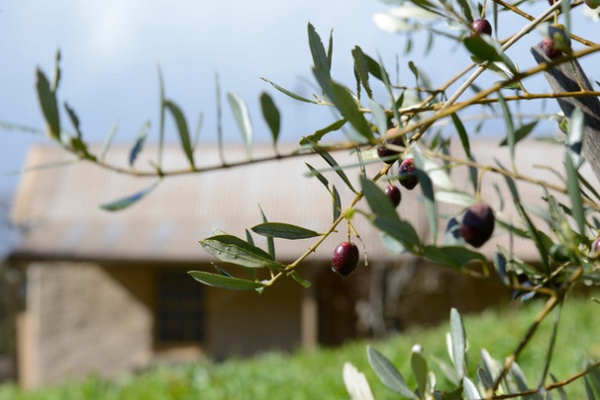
179,309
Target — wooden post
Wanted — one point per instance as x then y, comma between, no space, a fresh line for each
569,77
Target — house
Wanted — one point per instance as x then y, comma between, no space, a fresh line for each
107,292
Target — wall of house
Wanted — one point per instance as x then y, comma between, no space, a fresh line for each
82,319
244,322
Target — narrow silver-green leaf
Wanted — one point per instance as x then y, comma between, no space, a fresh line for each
242,118
379,116
270,240
317,50
74,119
575,135
234,250
129,200
452,256
182,129
482,49
317,174
331,161
420,370
224,282
336,203
108,141
385,217
284,231
574,194
48,104
138,145
361,67
462,134
388,374
319,133
521,133
296,276
459,342
428,194
470,391
271,115
288,93
349,108
510,129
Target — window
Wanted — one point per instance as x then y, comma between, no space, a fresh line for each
179,308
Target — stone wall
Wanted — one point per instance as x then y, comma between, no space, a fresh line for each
81,320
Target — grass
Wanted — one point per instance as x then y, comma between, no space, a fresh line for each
318,374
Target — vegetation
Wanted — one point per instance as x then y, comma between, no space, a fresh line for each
392,123
319,374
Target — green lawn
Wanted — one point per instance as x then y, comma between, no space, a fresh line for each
318,375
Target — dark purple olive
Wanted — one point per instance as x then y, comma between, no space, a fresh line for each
387,155
345,258
480,26
547,45
408,174
477,224
394,194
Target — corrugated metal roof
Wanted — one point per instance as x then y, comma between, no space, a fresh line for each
60,206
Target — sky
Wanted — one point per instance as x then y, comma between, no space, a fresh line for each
111,51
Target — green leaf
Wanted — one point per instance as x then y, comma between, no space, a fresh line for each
288,93
420,370
483,49
466,9
385,217
349,108
379,116
271,115
108,141
242,118
535,235
388,374
74,119
224,282
129,200
462,134
510,129
319,176
182,128
284,231
484,378
234,250
318,135
270,241
575,135
361,67
452,256
521,133
428,194
459,342
48,104
331,161
574,194
296,276
336,203
317,50
470,390
138,145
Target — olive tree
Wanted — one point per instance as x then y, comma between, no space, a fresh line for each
394,125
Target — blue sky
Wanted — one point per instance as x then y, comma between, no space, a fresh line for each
111,50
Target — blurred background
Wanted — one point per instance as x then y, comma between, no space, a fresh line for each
111,51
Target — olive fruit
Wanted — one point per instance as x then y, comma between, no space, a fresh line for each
480,26
408,174
477,224
593,4
387,155
596,246
547,45
394,194
345,258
